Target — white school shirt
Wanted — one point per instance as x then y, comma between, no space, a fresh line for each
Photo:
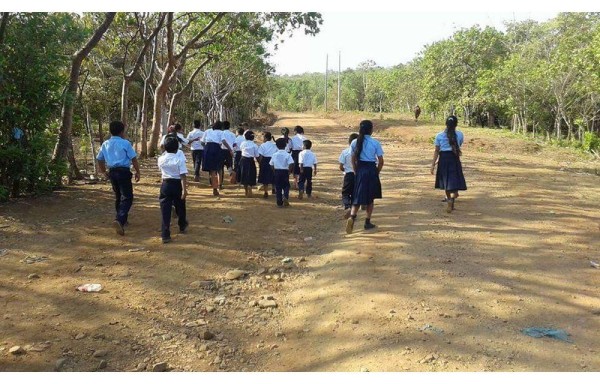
281,159
172,165
213,136
182,140
238,141
196,145
249,149
346,160
307,158
297,141
229,138
267,149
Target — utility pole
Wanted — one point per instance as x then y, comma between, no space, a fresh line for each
339,83
326,69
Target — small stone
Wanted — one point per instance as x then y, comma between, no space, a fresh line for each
220,300
59,364
159,367
307,239
252,303
210,309
428,359
279,334
141,367
217,360
80,336
208,335
363,369
287,260
267,304
203,348
17,350
103,364
100,353
409,317
235,274
354,321
196,323
33,276
302,259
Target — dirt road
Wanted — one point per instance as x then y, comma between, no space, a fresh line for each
426,291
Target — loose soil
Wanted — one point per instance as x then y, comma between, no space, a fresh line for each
425,291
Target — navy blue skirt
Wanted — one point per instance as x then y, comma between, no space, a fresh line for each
265,174
212,157
367,186
247,171
449,175
295,155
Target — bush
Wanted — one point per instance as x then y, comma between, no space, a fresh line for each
591,142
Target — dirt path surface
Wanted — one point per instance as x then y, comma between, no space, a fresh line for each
425,291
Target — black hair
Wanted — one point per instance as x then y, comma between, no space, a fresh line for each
268,136
116,127
171,144
197,124
451,123
240,131
217,125
353,136
285,131
226,125
365,128
280,143
178,127
299,129
307,144
249,135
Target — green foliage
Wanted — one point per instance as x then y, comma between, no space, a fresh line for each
33,67
591,142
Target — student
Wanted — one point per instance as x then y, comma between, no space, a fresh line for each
227,152
296,146
175,130
265,174
239,139
117,154
282,164
285,134
345,161
449,175
307,161
212,140
367,162
195,137
247,165
417,113
173,190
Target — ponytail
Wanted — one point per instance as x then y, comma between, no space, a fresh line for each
451,123
365,128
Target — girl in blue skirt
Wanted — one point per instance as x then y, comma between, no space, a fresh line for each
212,161
266,151
449,175
367,161
247,165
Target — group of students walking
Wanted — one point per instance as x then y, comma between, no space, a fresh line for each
218,149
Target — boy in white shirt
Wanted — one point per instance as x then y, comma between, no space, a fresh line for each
282,164
307,161
195,138
345,161
173,190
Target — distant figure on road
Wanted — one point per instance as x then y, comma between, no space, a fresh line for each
417,113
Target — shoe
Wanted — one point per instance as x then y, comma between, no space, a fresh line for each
369,226
167,240
197,178
279,206
450,206
286,203
347,214
215,192
300,195
265,195
184,229
118,228
349,225
309,196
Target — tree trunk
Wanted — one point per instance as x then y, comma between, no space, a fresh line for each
100,132
3,24
88,125
124,102
64,147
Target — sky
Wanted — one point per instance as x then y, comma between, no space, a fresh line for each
388,38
